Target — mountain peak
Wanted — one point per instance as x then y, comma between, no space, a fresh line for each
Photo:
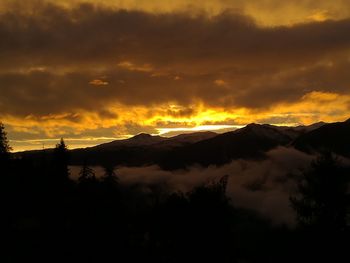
253,124
266,131
311,127
251,127
258,127
145,139
142,136
318,124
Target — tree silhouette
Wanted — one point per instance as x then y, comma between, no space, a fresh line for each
322,200
86,174
195,225
61,161
110,177
214,191
5,147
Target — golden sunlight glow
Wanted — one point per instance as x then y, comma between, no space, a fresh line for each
319,16
117,68
312,107
163,131
133,67
98,82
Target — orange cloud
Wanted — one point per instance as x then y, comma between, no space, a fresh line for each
171,68
133,67
98,82
319,16
312,107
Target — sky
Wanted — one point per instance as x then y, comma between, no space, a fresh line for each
95,71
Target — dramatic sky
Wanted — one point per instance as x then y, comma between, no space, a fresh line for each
93,71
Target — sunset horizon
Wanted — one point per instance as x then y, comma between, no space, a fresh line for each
92,71
78,143
175,131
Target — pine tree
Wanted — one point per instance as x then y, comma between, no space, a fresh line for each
4,143
110,177
86,174
322,199
61,160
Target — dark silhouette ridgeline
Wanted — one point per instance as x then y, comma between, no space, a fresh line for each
47,217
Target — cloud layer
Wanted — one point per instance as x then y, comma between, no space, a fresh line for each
264,186
71,69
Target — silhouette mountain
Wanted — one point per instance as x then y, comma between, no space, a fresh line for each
141,139
308,128
329,137
187,138
96,219
144,139
295,132
209,148
142,149
250,142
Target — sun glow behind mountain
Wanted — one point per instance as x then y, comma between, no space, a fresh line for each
95,71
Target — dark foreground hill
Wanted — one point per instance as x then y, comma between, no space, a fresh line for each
47,216
333,137
203,148
250,142
208,148
142,149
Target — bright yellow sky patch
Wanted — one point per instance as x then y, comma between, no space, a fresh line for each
112,69
312,107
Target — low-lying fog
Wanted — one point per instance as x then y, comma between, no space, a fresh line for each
264,186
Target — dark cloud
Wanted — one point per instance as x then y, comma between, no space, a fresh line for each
78,69
91,35
163,57
131,127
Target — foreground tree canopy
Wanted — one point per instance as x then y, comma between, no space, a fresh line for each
48,216
323,199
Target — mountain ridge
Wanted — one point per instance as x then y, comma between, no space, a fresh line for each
208,148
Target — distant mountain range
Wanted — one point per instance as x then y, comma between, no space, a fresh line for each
144,139
333,137
209,148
